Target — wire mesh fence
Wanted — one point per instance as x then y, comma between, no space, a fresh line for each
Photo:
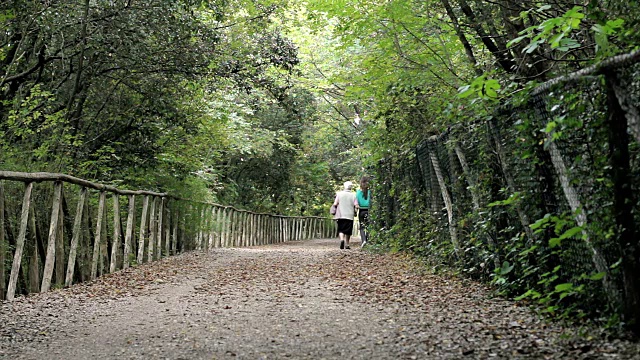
540,199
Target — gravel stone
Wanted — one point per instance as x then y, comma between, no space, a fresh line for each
296,300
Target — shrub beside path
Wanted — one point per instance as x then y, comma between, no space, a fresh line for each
298,300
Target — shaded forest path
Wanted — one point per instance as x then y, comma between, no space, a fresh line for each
300,300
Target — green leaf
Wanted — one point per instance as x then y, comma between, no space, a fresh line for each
550,126
506,268
517,40
564,287
525,295
571,232
529,250
597,276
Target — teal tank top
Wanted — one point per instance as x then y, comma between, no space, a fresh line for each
362,202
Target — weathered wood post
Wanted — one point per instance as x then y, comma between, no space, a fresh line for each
59,258
511,183
258,229
77,231
152,230
98,235
17,256
215,226
233,227
85,248
230,228
160,230
115,244
239,226
274,229
285,229
103,266
446,197
223,227
167,233
247,229
51,244
34,262
143,229
240,222
251,228
128,238
3,247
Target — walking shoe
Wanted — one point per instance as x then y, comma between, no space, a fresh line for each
342,244
347,248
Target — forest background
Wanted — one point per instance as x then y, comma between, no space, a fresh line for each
271,105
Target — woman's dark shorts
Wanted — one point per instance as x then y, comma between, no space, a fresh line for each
345,226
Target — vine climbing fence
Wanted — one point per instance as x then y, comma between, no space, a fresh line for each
44,244
541,198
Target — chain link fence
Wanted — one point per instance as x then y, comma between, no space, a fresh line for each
540,199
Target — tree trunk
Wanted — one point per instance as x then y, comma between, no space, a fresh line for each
463,38
502,55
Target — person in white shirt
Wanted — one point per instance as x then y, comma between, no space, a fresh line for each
345,213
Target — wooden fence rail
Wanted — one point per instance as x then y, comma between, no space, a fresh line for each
94,241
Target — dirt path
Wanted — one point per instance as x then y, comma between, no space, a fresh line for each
296,300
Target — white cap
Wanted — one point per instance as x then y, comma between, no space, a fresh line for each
348,185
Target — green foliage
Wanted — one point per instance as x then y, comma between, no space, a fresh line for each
481,87
554,31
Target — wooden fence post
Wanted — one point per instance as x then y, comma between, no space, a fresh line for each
17,256
98,235
245,228
51,245
59,262
222,221
272,228
160,229
3,248
254,229
232,227
115,244
152,230
167,233
77,231
128,238
208,222
258,229
34,262
216,227
85,247
143,229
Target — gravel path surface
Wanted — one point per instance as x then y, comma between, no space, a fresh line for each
296,300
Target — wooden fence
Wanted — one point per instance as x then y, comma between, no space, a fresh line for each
90,245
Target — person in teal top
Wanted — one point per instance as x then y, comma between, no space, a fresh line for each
363,199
